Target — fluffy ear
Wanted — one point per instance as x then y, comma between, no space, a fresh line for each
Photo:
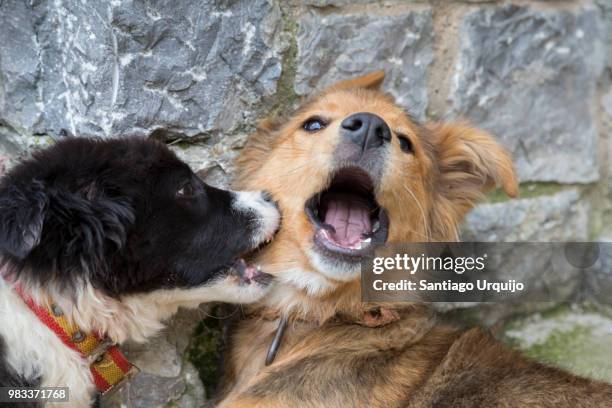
470,162
76,229
95,224
22,214
372,80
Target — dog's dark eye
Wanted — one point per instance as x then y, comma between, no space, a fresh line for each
405,144
186,191
314,125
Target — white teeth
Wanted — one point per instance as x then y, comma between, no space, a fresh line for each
376,226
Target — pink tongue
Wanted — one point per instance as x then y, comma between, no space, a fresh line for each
350,216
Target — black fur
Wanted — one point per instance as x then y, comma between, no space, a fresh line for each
107,211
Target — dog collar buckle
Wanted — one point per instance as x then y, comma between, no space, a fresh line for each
109,367
126,378
98,353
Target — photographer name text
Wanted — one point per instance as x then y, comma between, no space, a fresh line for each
411,265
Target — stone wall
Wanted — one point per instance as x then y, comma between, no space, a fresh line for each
200,74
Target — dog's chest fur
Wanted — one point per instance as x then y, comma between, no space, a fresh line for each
248,357
334,364
413,362
37,355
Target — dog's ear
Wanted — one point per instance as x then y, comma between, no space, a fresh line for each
470,163
22,215
76,227
470,159
95,223
373,80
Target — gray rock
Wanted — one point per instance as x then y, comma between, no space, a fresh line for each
339,46
213,159
606,101
548,278
336,3
529,76
20,101
606,8
606,126
574,339
165,376
15,146
149,391
559,217
157,357
599,277
112,67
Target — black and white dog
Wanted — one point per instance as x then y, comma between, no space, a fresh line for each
116,235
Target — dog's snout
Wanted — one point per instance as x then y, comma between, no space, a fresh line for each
263,213
366,130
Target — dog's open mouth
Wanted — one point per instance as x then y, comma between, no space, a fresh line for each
247,274
347,218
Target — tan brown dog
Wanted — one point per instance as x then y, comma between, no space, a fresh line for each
350,168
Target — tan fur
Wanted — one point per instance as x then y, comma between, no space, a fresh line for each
328,359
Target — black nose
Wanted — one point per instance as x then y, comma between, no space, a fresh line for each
366,130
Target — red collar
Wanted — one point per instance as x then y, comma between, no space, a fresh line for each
109,367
